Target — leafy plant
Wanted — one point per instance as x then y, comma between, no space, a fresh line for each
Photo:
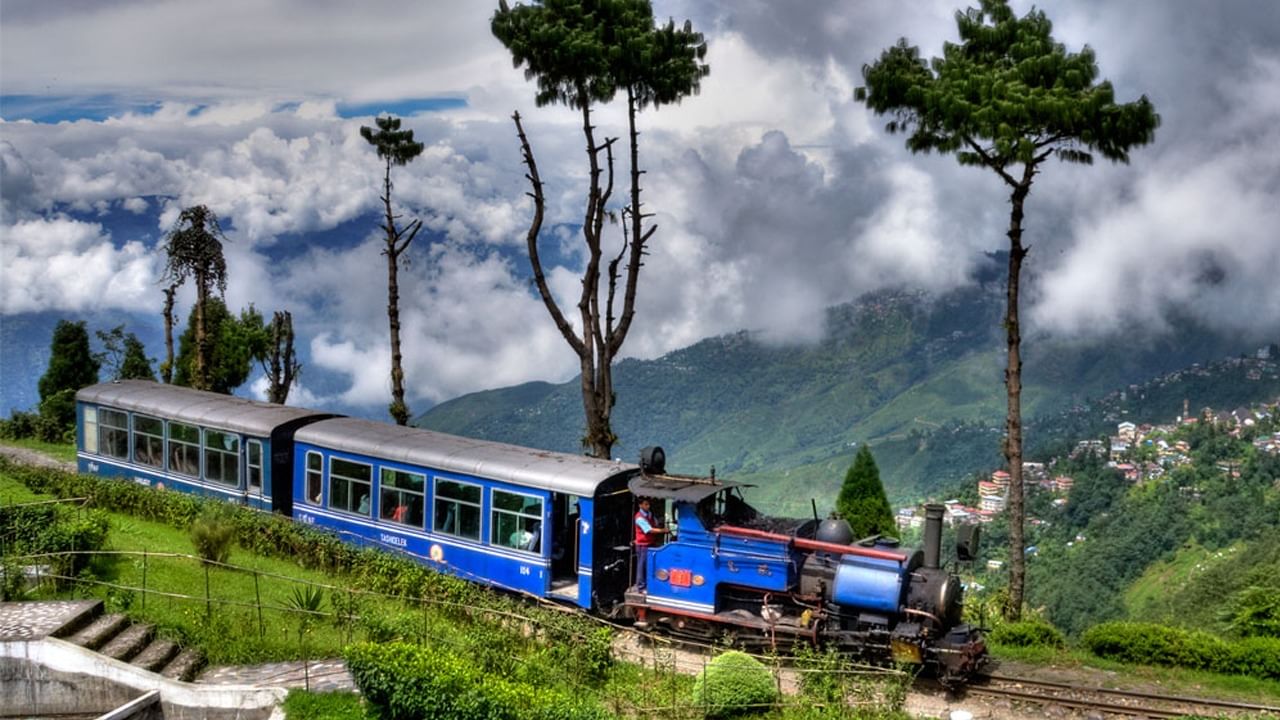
734,683
213,534
1027,633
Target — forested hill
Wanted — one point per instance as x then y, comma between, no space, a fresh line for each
912,374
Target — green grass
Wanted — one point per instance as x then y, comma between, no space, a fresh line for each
302,705
1148,597
65,452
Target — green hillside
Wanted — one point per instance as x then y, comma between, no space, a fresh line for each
919,377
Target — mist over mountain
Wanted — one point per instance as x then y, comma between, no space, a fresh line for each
920,377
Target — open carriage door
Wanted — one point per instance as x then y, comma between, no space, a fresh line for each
566,538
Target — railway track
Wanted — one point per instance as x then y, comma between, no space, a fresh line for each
1113,702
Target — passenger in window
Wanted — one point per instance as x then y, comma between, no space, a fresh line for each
364,504
398,515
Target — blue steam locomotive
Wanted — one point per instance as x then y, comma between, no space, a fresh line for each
551,525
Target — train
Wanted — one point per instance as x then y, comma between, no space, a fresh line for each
552,525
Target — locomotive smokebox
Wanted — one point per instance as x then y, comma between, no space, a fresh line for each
933,536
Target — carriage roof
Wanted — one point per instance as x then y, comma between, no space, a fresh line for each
214,410
558,472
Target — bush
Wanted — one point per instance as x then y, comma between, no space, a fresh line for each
1256,657
213,534
407,682
1027,633
42,528
1150,644
1161,645
734,683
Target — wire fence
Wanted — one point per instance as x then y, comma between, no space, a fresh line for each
286,613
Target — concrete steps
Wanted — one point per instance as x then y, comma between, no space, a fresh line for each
116,637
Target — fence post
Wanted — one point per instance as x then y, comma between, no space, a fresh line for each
144,579
257,596
208,608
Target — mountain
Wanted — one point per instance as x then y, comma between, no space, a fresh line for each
918,377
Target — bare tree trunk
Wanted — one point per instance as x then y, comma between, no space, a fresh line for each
202,339
166,368
1013,382
399,410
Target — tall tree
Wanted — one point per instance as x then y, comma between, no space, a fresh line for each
124,355
1007,98
278,360
71,366
396,147
862,502
194,248
580,53
234,343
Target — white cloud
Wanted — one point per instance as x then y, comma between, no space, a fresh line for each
63,264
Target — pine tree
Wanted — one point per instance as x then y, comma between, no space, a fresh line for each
71,367
1008,98
862,502
396,147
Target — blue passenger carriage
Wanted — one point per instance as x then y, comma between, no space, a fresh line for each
192,441
549,524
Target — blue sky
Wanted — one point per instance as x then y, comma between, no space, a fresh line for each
775,194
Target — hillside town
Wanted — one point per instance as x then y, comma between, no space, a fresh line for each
1138,452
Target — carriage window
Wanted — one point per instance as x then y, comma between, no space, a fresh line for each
315,477
222,457
457,509
184,449
400,497
148,440
91,430
113,434
254,464
349,485
516,521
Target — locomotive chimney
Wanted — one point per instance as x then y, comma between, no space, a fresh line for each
933,535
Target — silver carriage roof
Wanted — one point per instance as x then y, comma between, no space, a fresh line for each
224,412
559,472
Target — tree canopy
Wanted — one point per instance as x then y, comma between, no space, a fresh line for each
862,501
124,355
234,343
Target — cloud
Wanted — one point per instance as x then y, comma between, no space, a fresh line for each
63,264
775,193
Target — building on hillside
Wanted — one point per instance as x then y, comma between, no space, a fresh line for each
1063,484
1127,431
992,503
1119,448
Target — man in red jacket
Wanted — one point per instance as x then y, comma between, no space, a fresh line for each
645,535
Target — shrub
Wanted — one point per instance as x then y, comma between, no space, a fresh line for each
1150,644
1161,645
734,683
406,682
1256,657
1027,633
213,534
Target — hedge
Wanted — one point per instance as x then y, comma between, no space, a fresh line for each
1151,644
368,568
408,682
